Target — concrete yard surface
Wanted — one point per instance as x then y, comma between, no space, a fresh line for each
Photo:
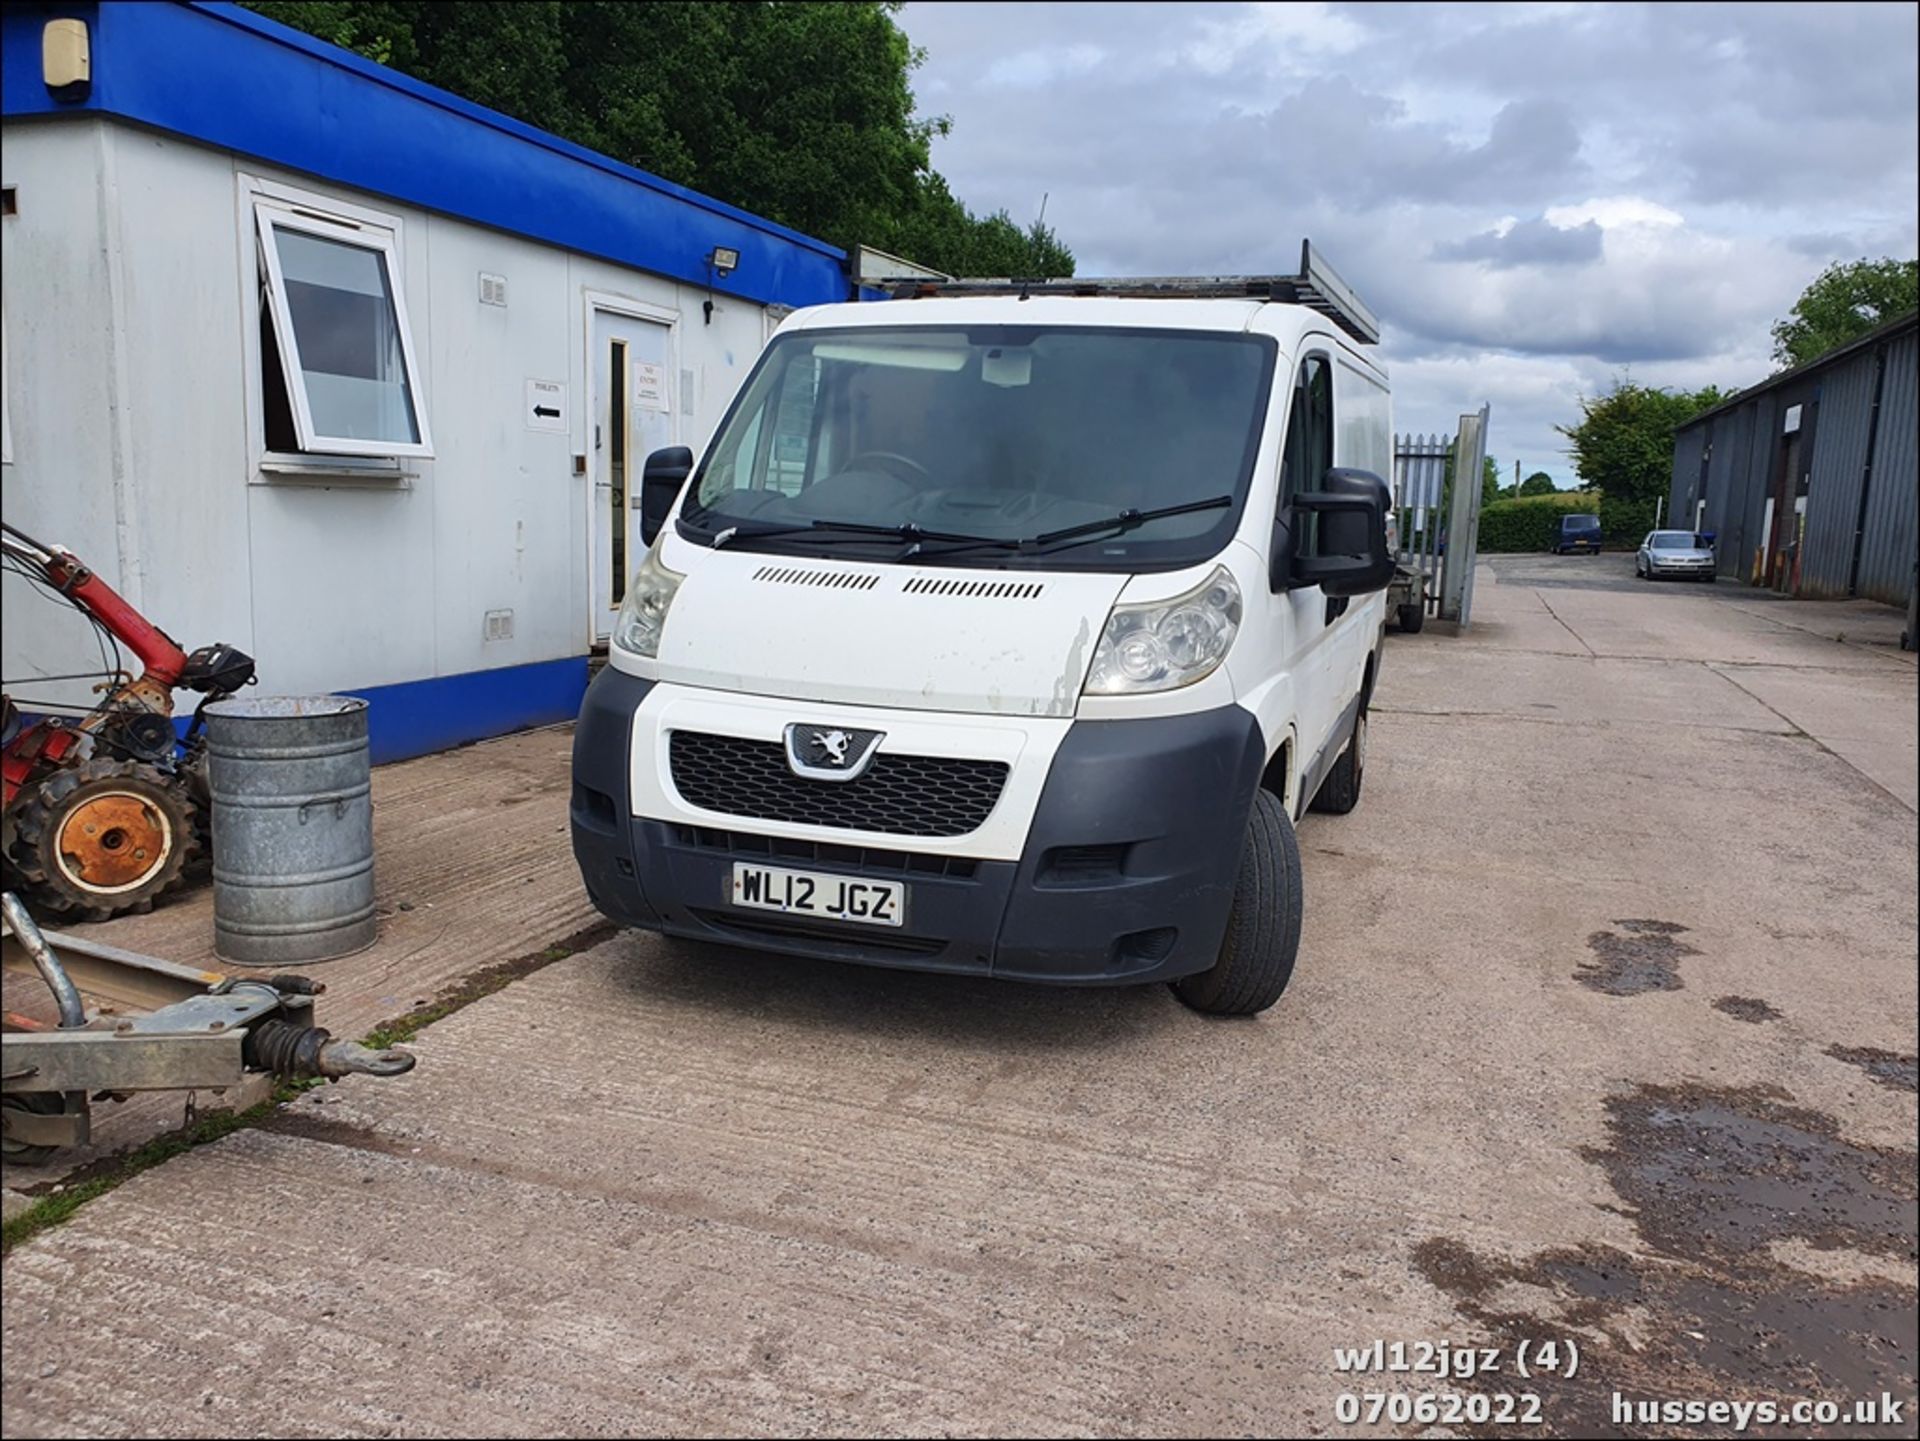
471,870
1603,1031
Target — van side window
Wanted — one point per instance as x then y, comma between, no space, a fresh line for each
1309,448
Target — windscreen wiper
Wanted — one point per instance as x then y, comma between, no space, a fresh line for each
1124,521
1075,534
857,530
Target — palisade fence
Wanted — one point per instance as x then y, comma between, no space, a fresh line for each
1439,525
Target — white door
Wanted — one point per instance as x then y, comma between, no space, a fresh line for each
1304,615
633,382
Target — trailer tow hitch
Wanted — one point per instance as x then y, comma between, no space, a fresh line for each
298,1053
162,1027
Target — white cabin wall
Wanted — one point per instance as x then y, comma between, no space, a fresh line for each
61,485
503,495
174,250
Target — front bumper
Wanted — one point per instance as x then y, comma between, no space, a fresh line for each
1126,874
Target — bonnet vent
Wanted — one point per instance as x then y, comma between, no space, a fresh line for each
832,579
974,589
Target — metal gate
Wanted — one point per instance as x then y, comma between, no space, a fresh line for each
1439,532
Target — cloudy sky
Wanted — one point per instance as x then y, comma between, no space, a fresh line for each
1534,198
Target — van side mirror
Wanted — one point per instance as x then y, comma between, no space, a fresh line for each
1352,556
667,470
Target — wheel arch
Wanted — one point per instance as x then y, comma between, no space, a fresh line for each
1278,776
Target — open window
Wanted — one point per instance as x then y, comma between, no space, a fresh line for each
1309,445
338,371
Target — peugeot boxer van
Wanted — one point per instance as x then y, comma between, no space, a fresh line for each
1006,629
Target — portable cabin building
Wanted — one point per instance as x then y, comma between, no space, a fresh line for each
307,356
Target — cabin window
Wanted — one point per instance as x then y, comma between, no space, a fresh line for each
338,371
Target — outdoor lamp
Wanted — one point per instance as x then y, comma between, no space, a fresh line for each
722,260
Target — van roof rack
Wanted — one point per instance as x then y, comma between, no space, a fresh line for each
1317,287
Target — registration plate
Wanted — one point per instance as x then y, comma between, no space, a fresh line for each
811,893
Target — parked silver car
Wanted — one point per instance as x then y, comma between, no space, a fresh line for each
1674,553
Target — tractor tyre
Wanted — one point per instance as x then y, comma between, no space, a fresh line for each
100,839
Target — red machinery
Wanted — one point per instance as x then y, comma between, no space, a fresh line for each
103,810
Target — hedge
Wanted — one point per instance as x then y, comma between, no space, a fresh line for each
1625,523
1532,522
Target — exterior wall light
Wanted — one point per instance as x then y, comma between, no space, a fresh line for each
722,261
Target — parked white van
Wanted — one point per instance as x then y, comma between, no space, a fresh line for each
1006,629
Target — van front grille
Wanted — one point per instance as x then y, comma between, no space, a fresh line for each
867,859
899,795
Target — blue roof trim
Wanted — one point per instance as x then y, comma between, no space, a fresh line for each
230,78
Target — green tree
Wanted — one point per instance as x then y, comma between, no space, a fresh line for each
1539,483
801,112
1844,303
1489,481
1623,445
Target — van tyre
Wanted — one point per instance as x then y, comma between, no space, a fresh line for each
1340,791
1263,928
100,839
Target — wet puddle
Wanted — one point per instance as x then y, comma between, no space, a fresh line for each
1720,1184
1636,957
1746,1008
1890,1069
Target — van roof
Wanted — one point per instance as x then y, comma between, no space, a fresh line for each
1316,287
1289,324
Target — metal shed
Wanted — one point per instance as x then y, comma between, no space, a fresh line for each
1808,479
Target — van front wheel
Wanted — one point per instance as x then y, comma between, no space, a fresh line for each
1263,928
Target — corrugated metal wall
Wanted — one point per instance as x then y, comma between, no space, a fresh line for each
1689,447
1742,452
1893,498
1833,492
1734,487
1752,484
1730,494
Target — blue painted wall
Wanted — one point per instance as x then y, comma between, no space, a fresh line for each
229,78
416,718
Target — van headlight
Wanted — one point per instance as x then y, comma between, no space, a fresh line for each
643,614
1169,643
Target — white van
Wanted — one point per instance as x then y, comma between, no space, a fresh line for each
1005,629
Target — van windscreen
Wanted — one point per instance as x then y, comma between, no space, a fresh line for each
1003,433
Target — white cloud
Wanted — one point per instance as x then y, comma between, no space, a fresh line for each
1724,154
1614,212
1297,33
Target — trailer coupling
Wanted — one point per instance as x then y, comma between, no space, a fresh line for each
159,1027
299,1053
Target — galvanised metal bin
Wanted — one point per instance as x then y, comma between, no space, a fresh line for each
292,829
